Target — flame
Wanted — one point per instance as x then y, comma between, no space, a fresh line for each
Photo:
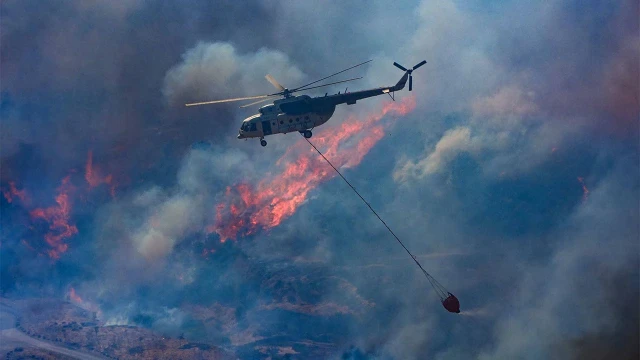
13,192
585,190
94,178
74,297
58,219
58,216
87,305
247,208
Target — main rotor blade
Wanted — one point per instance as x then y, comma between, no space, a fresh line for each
337,82
228,100
274,82
254,103
324,78
399,66
420,64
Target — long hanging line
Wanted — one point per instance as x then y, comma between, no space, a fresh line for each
442,292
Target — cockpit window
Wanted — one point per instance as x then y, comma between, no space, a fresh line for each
253,127
266,109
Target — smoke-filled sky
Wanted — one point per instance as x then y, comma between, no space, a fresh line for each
511,171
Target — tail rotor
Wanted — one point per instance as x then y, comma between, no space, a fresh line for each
409,71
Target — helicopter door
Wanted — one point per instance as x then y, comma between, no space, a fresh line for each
266,128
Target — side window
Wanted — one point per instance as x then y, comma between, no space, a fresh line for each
253,127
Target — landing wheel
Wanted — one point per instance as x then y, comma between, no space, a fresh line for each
307,134
263,142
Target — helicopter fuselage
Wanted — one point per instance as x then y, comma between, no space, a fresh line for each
303,113
295,113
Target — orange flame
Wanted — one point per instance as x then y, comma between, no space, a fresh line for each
13,192
94,178
247,208
87,305
58,219
585,190
74,297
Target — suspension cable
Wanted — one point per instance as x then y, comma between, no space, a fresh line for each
442,292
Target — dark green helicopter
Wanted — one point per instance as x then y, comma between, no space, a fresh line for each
302,113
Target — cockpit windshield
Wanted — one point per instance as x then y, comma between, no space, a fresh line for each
248,126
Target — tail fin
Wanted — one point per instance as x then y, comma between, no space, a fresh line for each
400,85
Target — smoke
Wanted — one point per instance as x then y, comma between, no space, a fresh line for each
569,287
211,70
167,225
520,153
528,90
507,101
173,218
620,341
452,143
165,217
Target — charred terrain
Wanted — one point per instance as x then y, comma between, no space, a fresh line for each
65,325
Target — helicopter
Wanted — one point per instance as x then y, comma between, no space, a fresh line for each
303,113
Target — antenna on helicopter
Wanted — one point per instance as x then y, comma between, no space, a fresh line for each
409,71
